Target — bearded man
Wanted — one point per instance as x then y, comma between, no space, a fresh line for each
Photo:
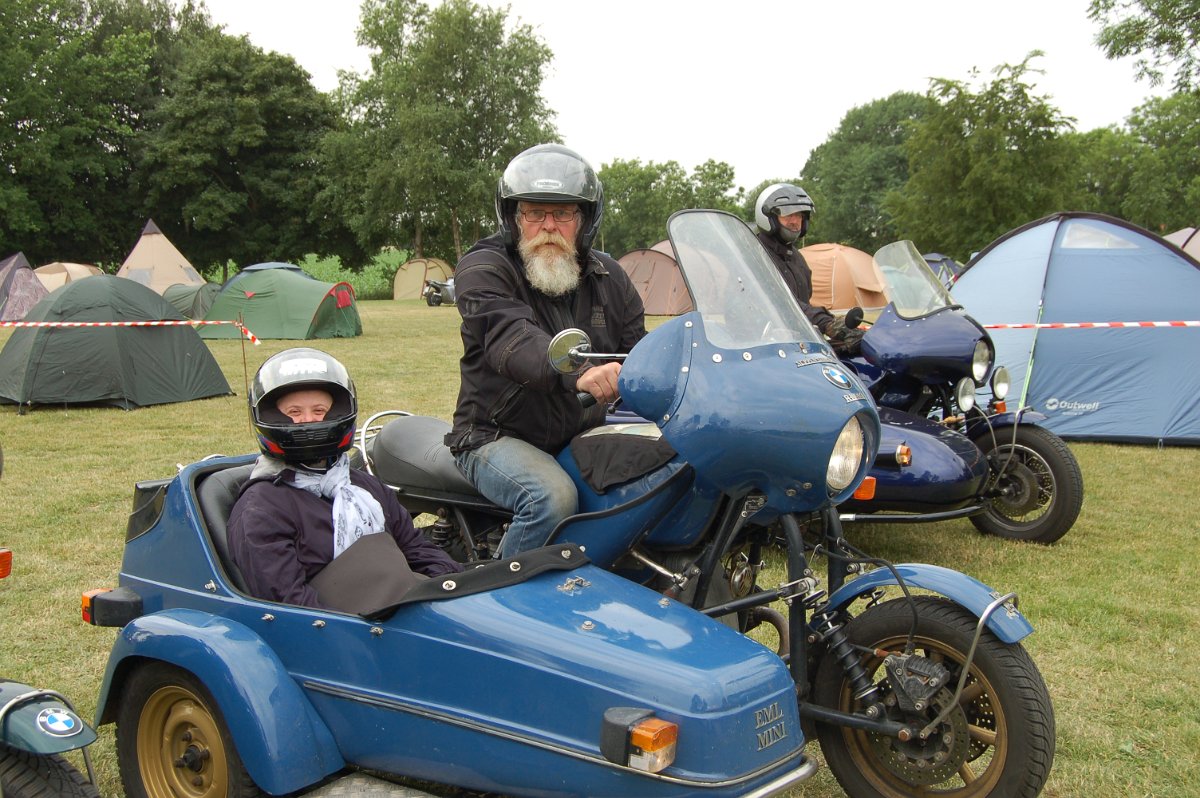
515,290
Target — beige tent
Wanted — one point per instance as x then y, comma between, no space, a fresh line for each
155,263
1187,239
657,278
57,274
844,277
411,276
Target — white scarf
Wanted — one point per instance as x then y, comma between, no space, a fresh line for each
355,511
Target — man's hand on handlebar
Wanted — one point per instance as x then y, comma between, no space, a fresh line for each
600,381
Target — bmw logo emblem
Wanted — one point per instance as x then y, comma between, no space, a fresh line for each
837,377
59,722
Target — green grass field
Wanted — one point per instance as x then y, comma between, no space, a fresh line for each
1112,603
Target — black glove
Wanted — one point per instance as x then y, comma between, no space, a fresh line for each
846,342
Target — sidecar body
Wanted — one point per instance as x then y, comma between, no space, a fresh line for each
531,676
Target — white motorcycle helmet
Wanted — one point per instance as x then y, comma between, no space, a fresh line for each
782,199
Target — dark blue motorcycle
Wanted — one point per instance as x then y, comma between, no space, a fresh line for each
757,434
928,366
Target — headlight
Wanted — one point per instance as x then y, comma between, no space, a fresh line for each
1000,383
846,457
981,361
964,394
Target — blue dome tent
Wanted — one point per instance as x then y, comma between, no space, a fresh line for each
1115,383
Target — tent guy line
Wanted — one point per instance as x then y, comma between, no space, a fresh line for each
188,323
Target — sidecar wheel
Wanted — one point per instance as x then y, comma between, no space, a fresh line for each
1041,485
26,775
998,741
172,741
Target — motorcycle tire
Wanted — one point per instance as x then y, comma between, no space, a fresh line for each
433,300
26,775
1000,736
172,741
1042,484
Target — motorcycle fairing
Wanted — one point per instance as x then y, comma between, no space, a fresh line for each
934,349
1007,623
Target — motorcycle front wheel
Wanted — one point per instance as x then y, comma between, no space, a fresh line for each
172,741
997,741
1038,482
26,775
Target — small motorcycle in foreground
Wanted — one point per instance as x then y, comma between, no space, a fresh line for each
757,434
36,728
942,455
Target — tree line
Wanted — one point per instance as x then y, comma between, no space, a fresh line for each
115,111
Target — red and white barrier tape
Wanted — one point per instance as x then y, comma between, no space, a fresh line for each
241,327
1073,325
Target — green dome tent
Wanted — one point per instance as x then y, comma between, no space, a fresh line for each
119,365
276,303
192,300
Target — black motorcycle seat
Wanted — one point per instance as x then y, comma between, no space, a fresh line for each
410,452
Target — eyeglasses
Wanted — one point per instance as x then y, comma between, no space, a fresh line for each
560,215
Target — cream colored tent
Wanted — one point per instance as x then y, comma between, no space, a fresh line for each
57,274
657,278
411,276
1187,239
155,263
844,277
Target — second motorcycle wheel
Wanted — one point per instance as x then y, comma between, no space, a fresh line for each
1037,482
26,775
998,739
172,741
433,299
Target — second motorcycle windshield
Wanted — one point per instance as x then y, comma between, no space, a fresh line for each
734,284
909,283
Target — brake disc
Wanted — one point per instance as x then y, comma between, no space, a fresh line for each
934,759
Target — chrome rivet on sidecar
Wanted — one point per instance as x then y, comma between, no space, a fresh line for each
318,624
782,353
664,602
588,626
684,369
747,356
717,357
377,631
807,486
210,586
514,566
566,554
268,617
449,584
687,324
790,491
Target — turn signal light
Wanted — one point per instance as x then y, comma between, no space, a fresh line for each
633,737
866,491
1000,406
5,562
110,606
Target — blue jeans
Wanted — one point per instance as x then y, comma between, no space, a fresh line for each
522,478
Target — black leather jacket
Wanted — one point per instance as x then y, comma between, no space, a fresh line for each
798,278
508,386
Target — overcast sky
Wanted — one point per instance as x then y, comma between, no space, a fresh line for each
757,85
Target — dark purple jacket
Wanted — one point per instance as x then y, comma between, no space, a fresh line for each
798,277
280,537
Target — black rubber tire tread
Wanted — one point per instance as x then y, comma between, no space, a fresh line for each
26,775
141,685
1018,689
1068,478
433,300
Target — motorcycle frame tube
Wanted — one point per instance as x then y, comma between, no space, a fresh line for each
282,741
972,595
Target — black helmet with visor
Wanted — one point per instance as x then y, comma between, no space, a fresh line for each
550,173
301,369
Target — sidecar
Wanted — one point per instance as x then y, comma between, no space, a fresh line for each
540,675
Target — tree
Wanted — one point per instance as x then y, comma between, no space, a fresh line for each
981,164
228,163
1164,182
849,174
1162,32
452,97
1103,161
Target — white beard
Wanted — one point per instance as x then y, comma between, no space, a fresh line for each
551,270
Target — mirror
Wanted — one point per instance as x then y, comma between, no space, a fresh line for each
567,352
854,317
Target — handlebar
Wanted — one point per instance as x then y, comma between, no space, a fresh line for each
585,399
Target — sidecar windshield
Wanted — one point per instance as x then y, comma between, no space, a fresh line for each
733,283
909,283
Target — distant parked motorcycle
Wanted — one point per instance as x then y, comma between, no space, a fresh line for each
941,454
437,292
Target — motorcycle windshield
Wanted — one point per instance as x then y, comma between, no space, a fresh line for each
734,285
909,283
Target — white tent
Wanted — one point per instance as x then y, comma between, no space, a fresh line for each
155,263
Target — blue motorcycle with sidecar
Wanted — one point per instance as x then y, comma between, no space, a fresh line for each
905,693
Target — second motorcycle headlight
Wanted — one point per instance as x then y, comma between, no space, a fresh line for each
981,362
846,457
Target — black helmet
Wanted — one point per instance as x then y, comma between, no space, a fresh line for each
296,370
550,173
782,199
